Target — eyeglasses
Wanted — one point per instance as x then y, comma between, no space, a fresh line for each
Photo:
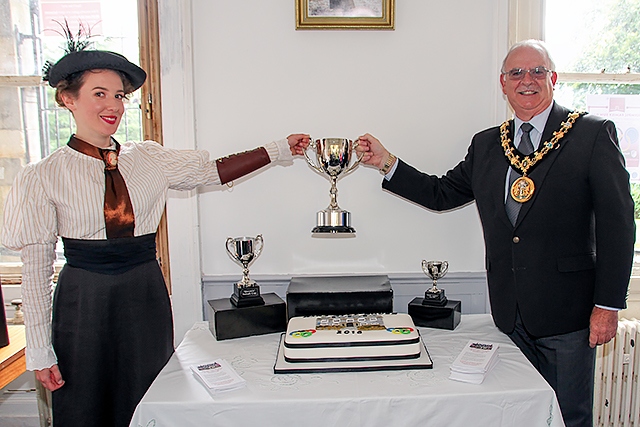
537,73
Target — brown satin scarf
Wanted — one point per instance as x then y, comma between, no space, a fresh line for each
118,211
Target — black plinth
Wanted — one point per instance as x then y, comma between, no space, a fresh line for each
312,296
432,316
228,321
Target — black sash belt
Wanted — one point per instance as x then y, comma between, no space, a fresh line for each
110,256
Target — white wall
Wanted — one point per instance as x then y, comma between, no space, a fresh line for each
423,89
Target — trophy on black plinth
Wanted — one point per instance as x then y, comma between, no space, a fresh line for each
435,310
246,312
245,250
435,270
333,156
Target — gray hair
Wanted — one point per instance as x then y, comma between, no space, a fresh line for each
532,43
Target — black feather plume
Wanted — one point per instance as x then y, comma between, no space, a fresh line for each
45,70
73,43
78,41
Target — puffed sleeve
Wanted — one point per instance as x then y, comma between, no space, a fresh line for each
29,215
30,226
188,169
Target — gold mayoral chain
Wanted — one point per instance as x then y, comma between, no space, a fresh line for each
522,188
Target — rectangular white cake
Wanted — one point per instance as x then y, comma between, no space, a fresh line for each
360,337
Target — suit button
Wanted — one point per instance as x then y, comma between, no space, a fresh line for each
516,239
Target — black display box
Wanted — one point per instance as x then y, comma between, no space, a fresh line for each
445,317
312,296
227,321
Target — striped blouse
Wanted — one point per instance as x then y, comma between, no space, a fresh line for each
63,195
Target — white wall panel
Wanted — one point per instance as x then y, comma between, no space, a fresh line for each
423,89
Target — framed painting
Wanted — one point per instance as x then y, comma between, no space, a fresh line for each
345,14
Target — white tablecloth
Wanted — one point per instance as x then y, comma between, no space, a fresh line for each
512,395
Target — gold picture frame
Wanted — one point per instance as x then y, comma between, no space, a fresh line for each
345,14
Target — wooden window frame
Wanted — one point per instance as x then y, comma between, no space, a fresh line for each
152,107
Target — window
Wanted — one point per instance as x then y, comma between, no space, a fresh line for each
595,48
31,124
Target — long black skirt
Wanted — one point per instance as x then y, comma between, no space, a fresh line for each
112,335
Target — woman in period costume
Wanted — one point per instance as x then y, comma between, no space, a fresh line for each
107,332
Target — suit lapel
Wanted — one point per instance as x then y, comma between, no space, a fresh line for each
556,117
501,167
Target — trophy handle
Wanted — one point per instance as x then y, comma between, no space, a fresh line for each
258,250
445,267
232,254
313,144
357,162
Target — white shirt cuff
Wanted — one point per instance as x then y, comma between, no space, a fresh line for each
279,151
608,308
40,358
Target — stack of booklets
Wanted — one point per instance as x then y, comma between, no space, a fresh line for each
218,376
474,362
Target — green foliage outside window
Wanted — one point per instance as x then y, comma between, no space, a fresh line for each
615,48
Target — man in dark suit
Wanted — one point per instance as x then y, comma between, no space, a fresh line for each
559,253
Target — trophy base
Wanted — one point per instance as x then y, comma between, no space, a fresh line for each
435,298
246,302
227,321
431,316
246,296
333,221
336,229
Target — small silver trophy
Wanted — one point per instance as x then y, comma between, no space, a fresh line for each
244,250
436,270
333,156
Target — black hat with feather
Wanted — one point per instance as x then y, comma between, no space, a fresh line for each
78,59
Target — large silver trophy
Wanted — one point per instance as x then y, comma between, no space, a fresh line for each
436,270
332,157
245,250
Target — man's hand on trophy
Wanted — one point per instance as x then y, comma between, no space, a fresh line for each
374,153
298,142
